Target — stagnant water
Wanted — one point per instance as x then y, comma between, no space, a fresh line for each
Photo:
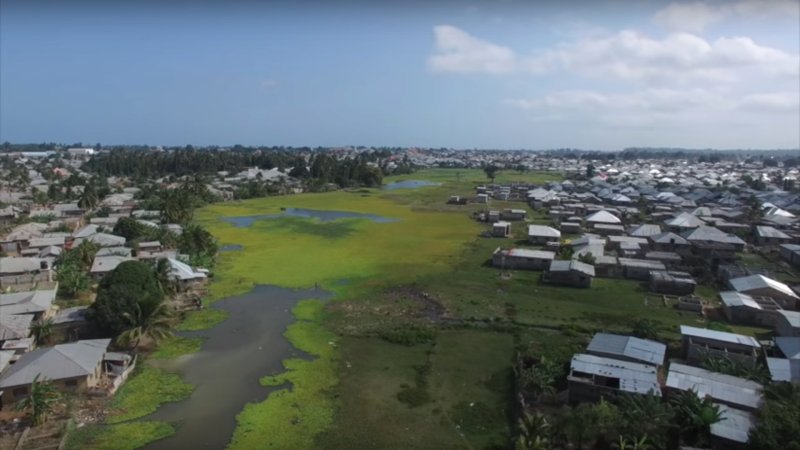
225,372
323,215
230,248
409,184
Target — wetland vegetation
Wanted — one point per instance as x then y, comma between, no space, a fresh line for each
417,348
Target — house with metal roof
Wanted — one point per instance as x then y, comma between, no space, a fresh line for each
522,258
733,431
787,323
725,389
105,264
73,366
593,377
790,253
501,229
763,286
541,234
766,235
38,303
745,309
784,369
671,282
184,274
668,242
639,269
627,348
700,344
569,273
713,235
645,230
684,221
603,217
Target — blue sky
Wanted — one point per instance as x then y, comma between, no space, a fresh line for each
507,74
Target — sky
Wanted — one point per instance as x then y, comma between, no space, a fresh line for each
604,74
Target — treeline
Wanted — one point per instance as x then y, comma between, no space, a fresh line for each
318,168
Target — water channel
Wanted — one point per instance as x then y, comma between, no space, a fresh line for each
225,372
409,184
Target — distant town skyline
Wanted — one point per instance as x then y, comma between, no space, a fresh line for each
602,75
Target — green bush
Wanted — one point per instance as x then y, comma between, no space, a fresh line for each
409,335
414,396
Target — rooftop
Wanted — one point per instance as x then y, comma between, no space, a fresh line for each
721,387
649,352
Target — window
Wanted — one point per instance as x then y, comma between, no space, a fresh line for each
20,392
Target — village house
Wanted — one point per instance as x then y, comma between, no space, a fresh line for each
790,253
594,377
513,214
669,242
700,344
16,271
105,264
38,303
639,269
569,273
671,282
733,391
14,326
744,309
786,366
763,286
705,234
185,276
603,217
541,234
769,236
501,229
17,239
73,367
571,227
627,348
787,323
521,258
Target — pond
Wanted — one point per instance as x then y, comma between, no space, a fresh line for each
231,248
323,215
225,372
409,184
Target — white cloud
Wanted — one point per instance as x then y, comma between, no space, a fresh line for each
679,58
696,16
457,51
692,17
779,102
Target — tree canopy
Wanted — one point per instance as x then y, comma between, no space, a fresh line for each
131,289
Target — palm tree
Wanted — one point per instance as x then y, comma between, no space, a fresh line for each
533,432
85,252
154,324
88,198
41,400
645,416
42,330
163,272
694,417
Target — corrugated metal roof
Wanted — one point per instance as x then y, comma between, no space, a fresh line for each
533,254
564,266
770,232
27,302
542,230
603,217
643,350
668,238
646,230
10,265
793,317
789,346
721,387
55,363
784,369
758,281
735,424
633,377
733,299
642,263
721,336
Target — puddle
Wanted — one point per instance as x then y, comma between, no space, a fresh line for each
225,372
230,248
323,215
409,184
